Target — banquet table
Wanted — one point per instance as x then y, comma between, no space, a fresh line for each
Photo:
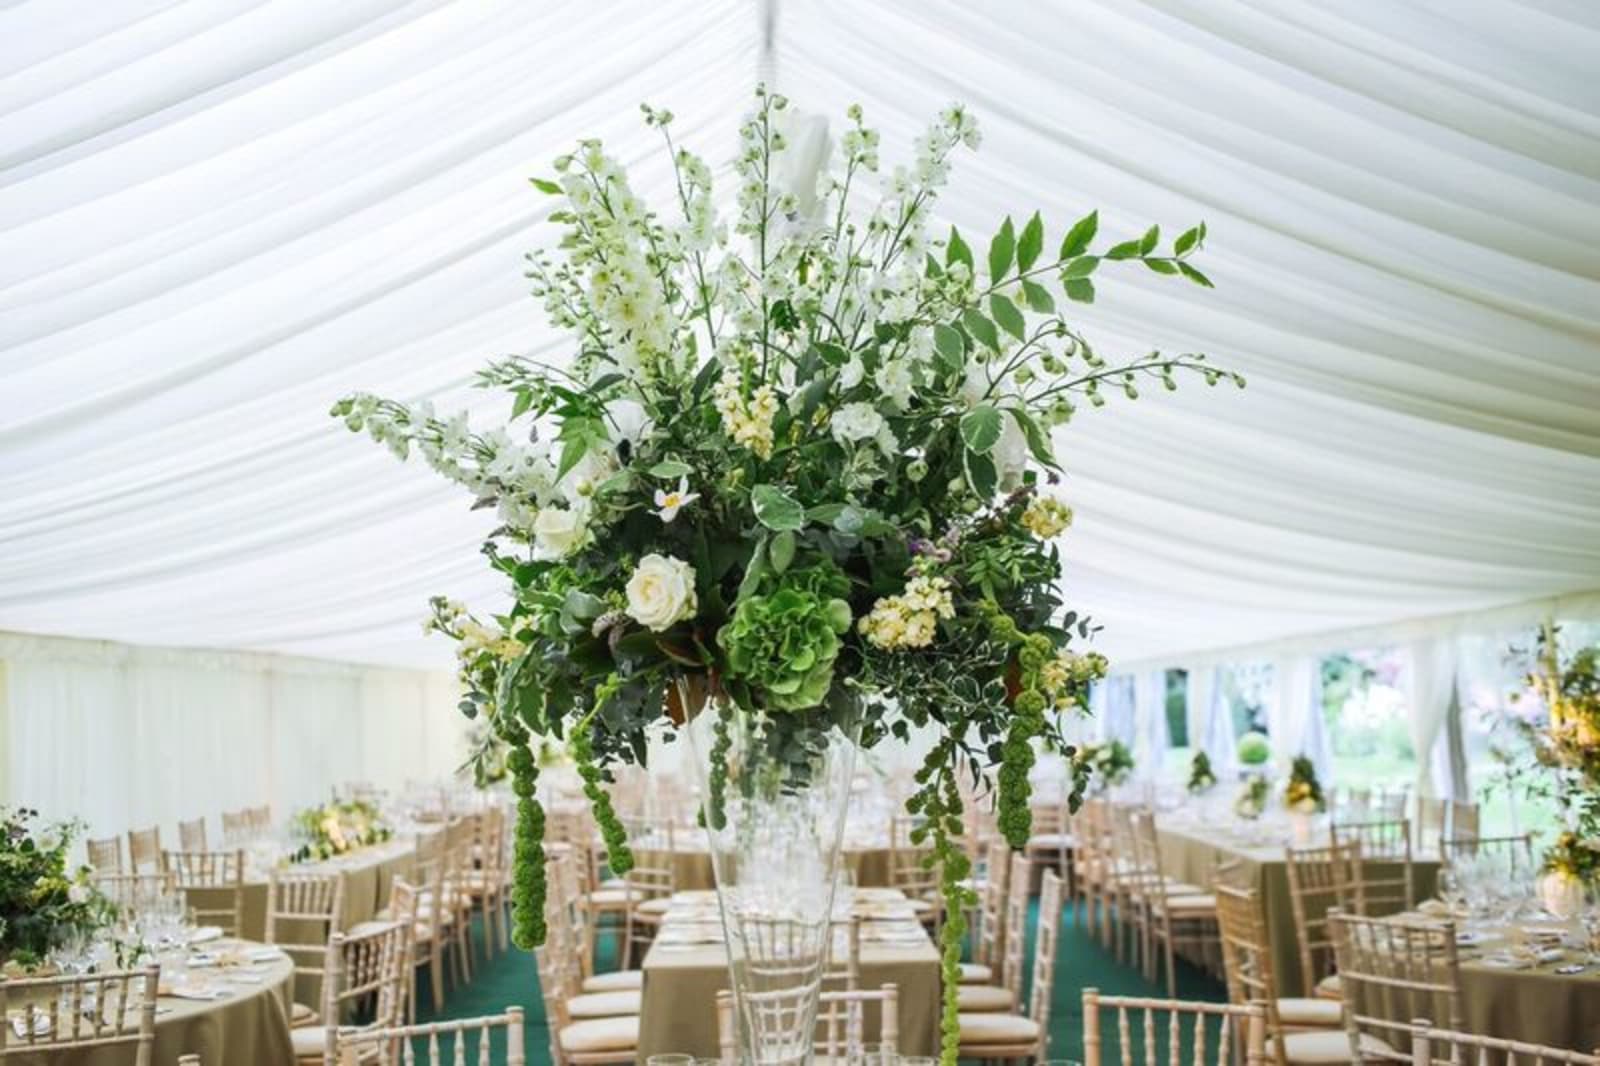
1510,987
869,864
682,978
1192,852
249,1026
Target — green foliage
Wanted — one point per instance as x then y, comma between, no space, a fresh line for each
1254,749
1201,777
42,901
785,643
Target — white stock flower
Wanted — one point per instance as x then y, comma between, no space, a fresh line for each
558,532
894,379
668,504
79,893
661,592
856,422
851,373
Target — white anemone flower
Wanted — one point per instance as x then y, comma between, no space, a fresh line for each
668,504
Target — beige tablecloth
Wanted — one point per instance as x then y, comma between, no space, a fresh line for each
249,1028
678,1012
1192,854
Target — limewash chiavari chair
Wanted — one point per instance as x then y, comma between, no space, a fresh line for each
57,1016
651,882
1247,962
1384,845
840,1032
1172,916
236,828
561,939
1096,868
912,873
1244,1024
570,918
1319,879
258,820
985,967
192,835
483,880
592,1042
841,966
1390,968
1051,840
1007,995
436,924
129,893
105,856
144,850
210,870
1432,813
1009,1035
1515,852
1432,1046
1464,819
445,1043
304,899
369,969
460,838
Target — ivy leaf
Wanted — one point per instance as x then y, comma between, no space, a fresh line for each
832,354
776,509
1076,242
1038,297
981,474
951,348
1038,440
981,328
980,429
1194,275
546,185
670,468
1080,289
1030,244
956,251
754,571
1006,314
1190,240
1151,238
780,553
1001,250
1162,266
1125,250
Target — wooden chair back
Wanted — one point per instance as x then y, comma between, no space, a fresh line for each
1155,1019
1247,957
236,828
452,1043
1388,877
105,856
1014,936
1515,852
841,969
990,949
1044,958
1391,968
372,966
840,1032
1431,1046
193,870
259,821
130,893
1320,879
296,901
61,1015
192,835
144,850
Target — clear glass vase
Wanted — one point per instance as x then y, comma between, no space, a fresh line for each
775,843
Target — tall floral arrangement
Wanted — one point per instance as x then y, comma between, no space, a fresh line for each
800,455
337,828
1302,792
43,899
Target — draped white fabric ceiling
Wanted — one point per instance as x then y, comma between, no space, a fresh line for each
217,217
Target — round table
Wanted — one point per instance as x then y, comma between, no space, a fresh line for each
249,1026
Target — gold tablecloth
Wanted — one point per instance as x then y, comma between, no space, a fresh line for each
691,867
681,982
249,1028
1192,854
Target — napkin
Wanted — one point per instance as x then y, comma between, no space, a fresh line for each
19,1025
204,934
264,955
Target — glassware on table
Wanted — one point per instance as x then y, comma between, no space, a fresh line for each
670,1060
1451,887
1591,920
875,1055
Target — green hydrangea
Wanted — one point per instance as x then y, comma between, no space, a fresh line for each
1254,749
785,643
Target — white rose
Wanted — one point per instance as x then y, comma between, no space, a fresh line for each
558,532
661,592
78,893
856,422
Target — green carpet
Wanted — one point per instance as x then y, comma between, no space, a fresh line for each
509,980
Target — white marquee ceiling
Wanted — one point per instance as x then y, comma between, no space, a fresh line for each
217,217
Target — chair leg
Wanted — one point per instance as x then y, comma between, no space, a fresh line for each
436,973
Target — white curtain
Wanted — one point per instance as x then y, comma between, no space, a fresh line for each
1294,714
1210,720
1116,713
125,736
1431,691
1152,737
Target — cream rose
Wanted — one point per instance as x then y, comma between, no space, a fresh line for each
558,532
661,592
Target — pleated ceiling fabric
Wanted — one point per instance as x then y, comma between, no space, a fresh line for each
216,218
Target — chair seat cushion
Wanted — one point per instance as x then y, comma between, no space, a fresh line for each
976,973
601,1034
308,1041
1330,987
1192,906
300,1014
1326,1046
983,998
615,981
654,906
604,1004
608,897
1311,1013
980,1029
1051,841
613,883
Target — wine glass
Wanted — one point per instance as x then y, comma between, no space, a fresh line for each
1591,919
1452,887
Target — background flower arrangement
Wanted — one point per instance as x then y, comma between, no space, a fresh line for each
1302,793
1201,777
42,901
1110,764
801,460
336,828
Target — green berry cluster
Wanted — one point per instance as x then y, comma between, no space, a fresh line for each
717,805
618,856
939,802
528,886
1027,722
